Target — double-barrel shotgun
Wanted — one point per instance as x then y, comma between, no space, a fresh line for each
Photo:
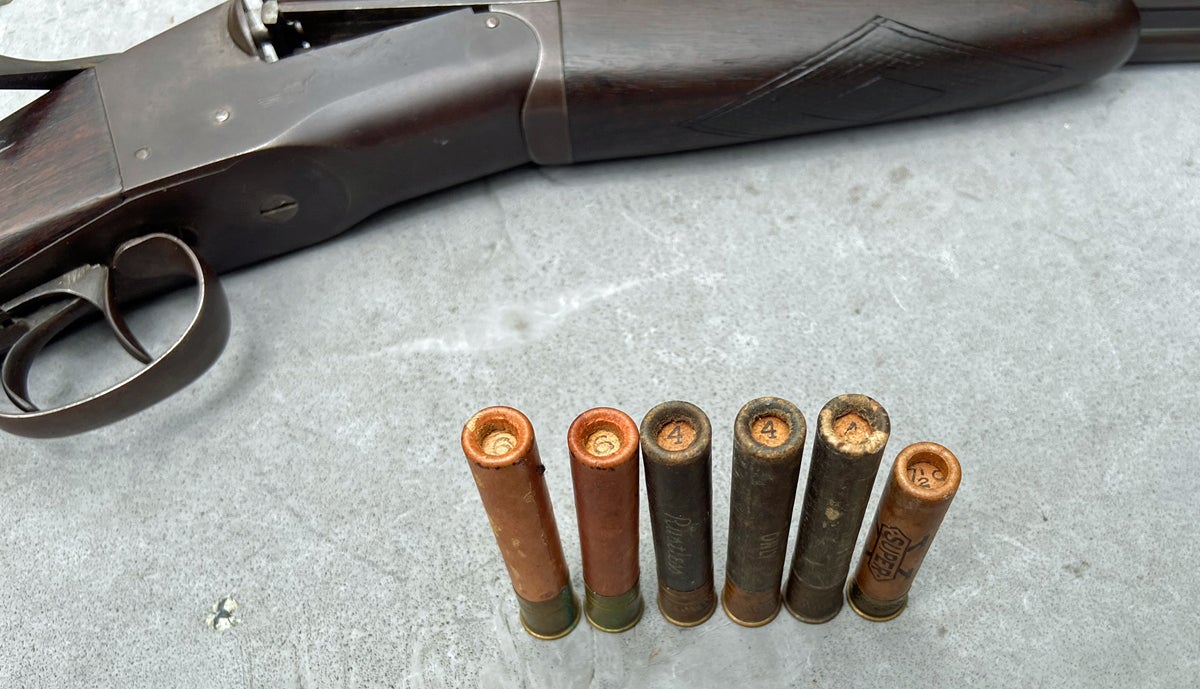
258,128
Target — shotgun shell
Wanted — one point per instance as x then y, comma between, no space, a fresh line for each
508,471
676,448
768,445
852,431
923,481
603,444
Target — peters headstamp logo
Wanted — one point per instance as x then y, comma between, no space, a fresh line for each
891,546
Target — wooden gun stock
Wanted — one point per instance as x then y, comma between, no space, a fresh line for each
61,170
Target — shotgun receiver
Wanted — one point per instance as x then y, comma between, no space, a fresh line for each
259,128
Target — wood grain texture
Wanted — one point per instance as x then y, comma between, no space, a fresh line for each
655,76
57,168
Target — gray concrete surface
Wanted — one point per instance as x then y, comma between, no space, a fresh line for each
1019,284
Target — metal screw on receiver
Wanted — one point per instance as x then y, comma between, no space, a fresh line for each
278,208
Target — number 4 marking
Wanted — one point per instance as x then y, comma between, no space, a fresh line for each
676,434
768,429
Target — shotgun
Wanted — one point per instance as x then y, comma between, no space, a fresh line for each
258,128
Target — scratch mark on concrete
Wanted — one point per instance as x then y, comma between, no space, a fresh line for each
322,537
643,227
508,324
1017,544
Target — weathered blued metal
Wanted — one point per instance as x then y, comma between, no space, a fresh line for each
677,452
768,446
1170,31
923,481
252,131
603,444
33,75
58,304
245,159
503,455
852,432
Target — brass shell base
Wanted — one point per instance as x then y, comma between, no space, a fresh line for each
807,594
812,620
614,614
745,623
879,611
691,623
552,619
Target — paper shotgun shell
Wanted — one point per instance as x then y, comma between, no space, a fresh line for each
503,456
603,444
918,493
677,453
768,445
852,431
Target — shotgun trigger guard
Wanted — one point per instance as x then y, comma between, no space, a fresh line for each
32,320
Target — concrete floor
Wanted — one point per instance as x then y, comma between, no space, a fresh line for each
1019,284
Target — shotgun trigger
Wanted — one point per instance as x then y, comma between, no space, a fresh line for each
63,301
29,322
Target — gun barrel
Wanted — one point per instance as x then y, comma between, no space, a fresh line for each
1170,31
